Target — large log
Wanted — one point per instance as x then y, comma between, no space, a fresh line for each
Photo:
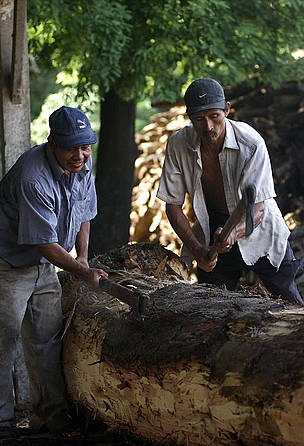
204,367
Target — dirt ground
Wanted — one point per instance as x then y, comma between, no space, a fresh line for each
93,437
90,434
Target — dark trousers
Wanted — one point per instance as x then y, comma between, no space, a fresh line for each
230,266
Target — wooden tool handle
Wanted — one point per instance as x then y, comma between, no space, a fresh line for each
121,292
248,199
135,299
230,224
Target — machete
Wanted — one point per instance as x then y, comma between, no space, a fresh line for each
136,299
245,207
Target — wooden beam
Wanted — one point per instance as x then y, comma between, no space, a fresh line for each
14,83
18,49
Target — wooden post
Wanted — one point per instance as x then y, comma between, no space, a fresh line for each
14,83
14,123
19,51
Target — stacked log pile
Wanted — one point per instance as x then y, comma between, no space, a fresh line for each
204,367
148,218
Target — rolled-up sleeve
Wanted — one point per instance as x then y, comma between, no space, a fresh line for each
172,188
37,218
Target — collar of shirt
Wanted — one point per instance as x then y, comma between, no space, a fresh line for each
230,141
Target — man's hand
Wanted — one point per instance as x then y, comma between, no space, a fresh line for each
203,261
181,226
93,275
239,230
78,267
223,247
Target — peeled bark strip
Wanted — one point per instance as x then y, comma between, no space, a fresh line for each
204,367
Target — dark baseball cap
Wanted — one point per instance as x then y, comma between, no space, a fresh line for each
204,94
70,128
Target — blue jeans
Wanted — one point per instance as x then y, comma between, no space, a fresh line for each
30,304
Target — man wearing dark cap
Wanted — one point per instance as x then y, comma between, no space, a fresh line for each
47,200
212,160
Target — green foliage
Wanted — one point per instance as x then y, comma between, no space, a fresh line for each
143,113
88,37
154,48
43,83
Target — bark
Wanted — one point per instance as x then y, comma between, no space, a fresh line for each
117,152
204,367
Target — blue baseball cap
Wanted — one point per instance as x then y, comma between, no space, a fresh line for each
70,127
204,94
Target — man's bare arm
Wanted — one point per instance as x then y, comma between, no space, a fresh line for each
82,243
58,256
181,226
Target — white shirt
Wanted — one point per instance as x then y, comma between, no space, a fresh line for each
243,160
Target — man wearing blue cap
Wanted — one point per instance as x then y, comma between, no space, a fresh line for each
212,160
47,200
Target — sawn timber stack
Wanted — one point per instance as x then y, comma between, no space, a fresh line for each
204,367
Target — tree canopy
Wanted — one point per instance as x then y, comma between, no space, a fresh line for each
154,48
127,50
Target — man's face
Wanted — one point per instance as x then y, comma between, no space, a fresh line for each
210,124
72,160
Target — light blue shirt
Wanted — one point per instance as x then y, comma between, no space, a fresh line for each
40,204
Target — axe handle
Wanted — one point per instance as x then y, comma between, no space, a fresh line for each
230,224
135,299
121,292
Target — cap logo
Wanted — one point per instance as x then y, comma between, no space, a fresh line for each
202,95
83,126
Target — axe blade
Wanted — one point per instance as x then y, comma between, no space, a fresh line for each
248,198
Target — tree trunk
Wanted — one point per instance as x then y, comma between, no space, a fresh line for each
204,367
117,152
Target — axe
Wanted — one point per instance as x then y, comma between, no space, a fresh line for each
136,299
244,207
